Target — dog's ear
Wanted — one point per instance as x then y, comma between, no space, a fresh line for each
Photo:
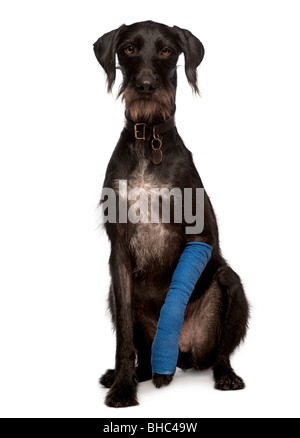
193,54
105,50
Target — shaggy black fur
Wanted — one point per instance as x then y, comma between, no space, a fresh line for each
144,256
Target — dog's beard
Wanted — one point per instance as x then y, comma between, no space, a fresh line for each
151,108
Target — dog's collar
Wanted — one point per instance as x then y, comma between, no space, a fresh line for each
142,131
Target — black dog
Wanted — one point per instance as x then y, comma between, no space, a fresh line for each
150,153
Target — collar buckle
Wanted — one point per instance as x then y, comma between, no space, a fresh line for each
140,131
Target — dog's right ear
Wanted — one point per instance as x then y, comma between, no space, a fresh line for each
105,50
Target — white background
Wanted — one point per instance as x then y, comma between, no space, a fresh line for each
58,130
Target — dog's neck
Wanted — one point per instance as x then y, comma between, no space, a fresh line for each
150,111
150,119
149,138
146,131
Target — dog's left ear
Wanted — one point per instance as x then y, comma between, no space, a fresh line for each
193,54
105,50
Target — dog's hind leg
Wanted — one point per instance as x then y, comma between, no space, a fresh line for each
225,377
214,326
108,378
143,369
234,319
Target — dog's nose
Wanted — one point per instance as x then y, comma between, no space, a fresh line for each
146,85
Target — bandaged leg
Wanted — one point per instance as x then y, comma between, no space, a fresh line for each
165,345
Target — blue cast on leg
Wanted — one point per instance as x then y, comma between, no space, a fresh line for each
191,264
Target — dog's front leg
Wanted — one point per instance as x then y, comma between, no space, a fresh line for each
124,389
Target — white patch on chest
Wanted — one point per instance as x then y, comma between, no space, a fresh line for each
149,242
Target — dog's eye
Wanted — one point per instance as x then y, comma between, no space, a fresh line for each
129,50
165,51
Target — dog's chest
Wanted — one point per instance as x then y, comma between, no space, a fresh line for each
153,241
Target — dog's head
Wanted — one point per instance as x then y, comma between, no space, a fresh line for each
148,54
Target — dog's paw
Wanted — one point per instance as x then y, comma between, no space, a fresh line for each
108,379
121,396
230,382
160,380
